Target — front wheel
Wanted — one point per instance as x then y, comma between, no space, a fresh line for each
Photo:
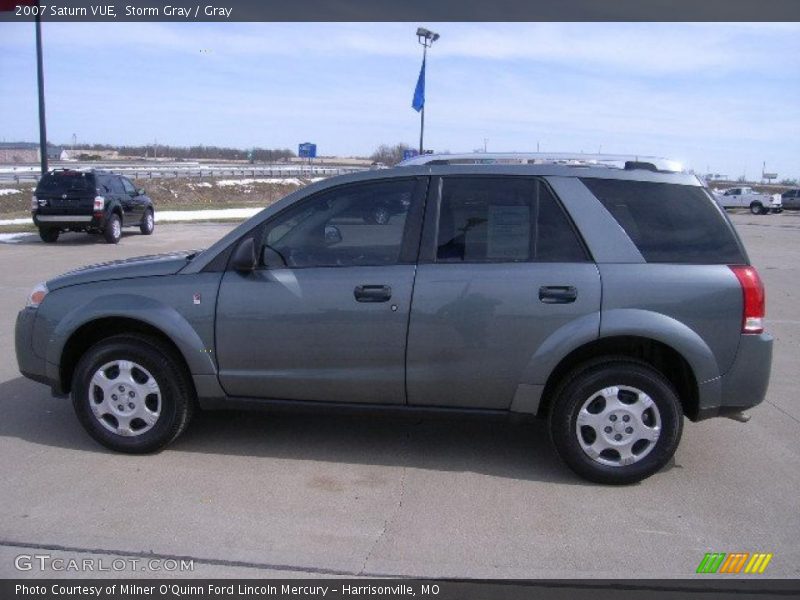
49,235
132,394
616,421
148,223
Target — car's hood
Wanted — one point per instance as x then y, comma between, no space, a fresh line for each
142,266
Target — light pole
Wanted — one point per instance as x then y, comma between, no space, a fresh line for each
426,38
40,81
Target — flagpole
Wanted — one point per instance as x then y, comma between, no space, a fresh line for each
426,38
40,77
422,112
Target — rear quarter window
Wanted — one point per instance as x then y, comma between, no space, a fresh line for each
670,223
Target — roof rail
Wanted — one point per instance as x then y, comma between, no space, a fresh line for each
613,161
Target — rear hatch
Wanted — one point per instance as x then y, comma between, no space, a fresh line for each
66,193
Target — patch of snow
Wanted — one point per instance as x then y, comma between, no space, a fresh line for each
23,221
177,215
6,191
206,215
13,238
276,180
202,184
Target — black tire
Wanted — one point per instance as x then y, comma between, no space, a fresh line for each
757,208
585,383
113,230
148,224
49,235
176,403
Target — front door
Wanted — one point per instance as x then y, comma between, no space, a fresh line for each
136,201
324,317
501,269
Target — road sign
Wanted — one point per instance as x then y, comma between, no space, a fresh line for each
307,150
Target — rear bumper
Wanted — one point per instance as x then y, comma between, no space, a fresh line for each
745,384
88,221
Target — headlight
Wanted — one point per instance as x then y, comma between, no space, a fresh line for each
37,295
34,203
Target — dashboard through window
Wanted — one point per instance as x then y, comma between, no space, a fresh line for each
353,225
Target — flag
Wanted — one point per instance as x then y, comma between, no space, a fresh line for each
418,103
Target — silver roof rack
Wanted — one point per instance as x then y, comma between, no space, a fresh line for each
613,161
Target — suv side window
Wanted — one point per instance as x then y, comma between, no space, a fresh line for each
114,185
128,186
503,219
354,225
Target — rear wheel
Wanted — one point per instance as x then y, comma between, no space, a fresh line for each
113,231
148,223
49,235
757,208
132,394
616,421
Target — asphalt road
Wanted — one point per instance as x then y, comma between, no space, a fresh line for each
246,494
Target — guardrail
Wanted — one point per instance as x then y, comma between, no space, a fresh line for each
173,172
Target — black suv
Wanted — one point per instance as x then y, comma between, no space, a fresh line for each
91,201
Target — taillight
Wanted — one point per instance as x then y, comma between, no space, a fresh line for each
754,298
99,203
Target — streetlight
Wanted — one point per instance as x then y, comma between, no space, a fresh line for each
425,37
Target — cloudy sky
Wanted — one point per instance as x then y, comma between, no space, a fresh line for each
719,96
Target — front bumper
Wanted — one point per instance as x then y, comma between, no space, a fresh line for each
745,384
31,366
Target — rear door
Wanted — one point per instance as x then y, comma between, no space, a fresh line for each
502,268
66,193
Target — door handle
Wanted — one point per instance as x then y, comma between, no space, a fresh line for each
372,293
558,294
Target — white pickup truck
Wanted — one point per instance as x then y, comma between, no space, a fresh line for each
747,197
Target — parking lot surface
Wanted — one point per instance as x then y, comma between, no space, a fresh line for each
260,494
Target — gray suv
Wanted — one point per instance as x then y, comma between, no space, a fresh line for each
612,300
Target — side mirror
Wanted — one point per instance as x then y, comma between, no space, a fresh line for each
140,192
272,258
332,235
244,257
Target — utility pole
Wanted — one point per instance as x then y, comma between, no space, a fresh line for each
40,78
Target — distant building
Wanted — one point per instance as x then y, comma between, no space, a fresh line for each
19,152
26,152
